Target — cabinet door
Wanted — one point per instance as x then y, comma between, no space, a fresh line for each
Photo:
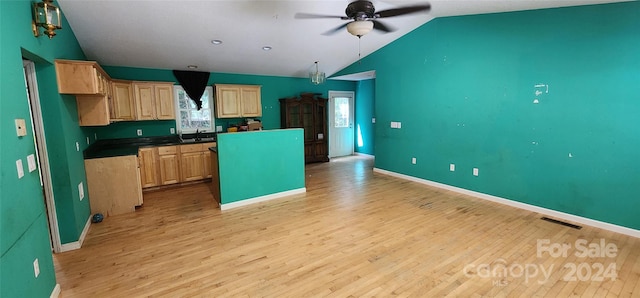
169,169
192,166
93,110
227,101
206,154
165,107
250,103
123,103
147,158
144,99
77,77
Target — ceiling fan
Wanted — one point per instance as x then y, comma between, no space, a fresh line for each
364,17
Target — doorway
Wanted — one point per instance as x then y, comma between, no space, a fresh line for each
31,85
341,135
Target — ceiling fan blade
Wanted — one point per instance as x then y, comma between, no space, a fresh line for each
382,27
302,15
335,30
402,10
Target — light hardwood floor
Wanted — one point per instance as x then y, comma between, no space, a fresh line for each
354,233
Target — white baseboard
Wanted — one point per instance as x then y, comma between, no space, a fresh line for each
77,244
520,205
56,291
262,198
365,154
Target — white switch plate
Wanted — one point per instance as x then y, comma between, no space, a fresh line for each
394,124
36,267
373,120
172,130
87,140
139,132
81,191
475,171
452,167
31,162
19,168
219,128
413,160
399,124
77,146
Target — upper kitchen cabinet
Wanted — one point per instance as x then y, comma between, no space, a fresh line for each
122,105
237,101
81,77
154,100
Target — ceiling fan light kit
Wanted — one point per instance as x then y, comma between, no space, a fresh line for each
317,77
359,28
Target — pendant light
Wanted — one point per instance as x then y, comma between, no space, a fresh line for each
317,77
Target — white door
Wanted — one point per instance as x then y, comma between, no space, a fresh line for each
340,123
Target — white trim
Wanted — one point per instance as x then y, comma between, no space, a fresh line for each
533,208
272,196
77,244
41,151
364,154
56,291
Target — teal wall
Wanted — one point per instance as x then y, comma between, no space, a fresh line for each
259,163
273,88
23,224
364,112
464,90
129,129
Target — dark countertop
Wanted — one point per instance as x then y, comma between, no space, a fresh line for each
122,147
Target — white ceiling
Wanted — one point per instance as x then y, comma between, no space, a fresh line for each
172,34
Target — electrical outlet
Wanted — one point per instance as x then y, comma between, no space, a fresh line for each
87,140
81,191
413,160
452,167
36,267
95,136
475,172
219,128
172,130
139,132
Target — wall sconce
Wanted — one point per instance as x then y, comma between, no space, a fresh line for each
317,77
47,16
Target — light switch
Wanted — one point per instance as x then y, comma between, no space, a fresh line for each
81,191
452,167
399,124
21,127
19,168
31,161
475,171
373,120
77,146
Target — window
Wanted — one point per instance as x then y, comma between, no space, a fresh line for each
189,118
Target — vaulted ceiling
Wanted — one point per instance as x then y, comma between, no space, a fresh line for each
173,34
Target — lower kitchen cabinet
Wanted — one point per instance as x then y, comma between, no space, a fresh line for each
113,184
169,165
148,158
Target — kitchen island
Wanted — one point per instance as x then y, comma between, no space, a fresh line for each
256,166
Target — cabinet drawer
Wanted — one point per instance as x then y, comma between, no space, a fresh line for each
191,148
167,150
205,146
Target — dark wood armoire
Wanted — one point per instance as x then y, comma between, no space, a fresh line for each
308,111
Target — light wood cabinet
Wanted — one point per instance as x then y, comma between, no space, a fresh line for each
154,100
237,101
81,77
114,184
148,159
93,110
122,105
168,159
192,162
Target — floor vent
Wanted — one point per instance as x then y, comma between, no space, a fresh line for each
566,224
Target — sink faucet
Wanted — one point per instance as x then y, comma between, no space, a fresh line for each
198,132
